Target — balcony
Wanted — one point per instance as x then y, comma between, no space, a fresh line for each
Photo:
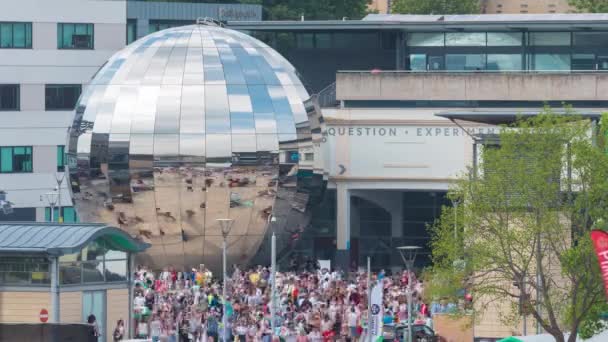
472,86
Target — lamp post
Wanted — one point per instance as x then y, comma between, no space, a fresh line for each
52,198
408,254
59,178
226,226
273,262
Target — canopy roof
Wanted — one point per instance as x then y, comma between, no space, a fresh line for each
503,117
60,239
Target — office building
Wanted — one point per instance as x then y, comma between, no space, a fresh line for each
49,51
394,138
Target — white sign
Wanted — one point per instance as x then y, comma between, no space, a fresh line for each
377,312
325,264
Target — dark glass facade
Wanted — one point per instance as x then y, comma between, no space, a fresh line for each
318,55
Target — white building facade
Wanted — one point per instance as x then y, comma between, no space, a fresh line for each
49,50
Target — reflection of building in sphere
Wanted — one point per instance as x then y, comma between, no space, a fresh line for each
186,126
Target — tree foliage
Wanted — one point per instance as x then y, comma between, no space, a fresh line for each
295,9
590,6
524,225
435,6
314,9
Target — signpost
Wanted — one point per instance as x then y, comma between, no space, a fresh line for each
44,315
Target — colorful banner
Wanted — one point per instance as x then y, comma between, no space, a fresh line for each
600,241
377,312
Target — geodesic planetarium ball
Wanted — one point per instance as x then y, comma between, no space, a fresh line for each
183,127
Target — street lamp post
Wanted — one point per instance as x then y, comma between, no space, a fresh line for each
273,266
408,254
52,198
226,226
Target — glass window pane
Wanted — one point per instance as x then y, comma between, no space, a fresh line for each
465,39
28,35
19,35
323,40
67,33
6,35
465,62
60,157
504,62
9,97
116,270
590,38
6,159
92,272
548,61
70,273
69,215
425,39
305,40
550,38
505,38
583,61
418,62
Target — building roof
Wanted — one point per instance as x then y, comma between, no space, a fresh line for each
60,239
421,23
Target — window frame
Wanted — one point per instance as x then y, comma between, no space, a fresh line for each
17,97
28,35
60,158
31,161
58,86
60,32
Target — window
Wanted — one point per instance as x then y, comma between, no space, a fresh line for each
309,156
550,61
550,38
583,61
9,97
96,263
15,159
74,36
131,31
67,213
62,96
425,39
24,271
590,38
465,62
15,35
159,25
505,62
504,39
418,62
305,40
465,39
60,158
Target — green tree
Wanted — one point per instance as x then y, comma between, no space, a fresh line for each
435,6
590,6
314,9
523,225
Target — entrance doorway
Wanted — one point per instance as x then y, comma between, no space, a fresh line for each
94,302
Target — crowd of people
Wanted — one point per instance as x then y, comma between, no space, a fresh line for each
311,305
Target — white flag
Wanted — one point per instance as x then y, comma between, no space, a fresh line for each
377,312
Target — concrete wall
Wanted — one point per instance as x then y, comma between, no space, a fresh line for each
406,86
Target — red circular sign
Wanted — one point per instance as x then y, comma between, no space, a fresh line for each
44,316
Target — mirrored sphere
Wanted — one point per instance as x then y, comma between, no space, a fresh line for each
184,127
